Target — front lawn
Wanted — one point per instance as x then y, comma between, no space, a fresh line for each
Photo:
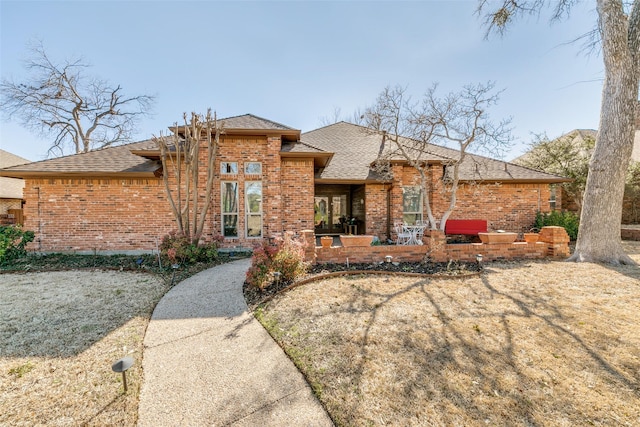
531,343
64,320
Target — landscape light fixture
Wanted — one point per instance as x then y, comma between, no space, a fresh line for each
479,260
388,258
121,366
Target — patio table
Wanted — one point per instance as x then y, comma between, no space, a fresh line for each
415,231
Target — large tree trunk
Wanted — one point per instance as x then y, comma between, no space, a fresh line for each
599,233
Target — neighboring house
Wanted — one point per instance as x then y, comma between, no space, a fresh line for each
271,178
11,190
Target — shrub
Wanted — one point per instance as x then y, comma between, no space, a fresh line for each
13,241
177,248
284,256
568,220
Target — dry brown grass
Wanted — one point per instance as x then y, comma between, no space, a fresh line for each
533,343
60,332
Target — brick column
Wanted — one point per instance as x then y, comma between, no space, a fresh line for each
436,241
557,241
309,242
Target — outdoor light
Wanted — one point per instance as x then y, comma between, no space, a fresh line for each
121,366
175,268
479,259
277,275
388,258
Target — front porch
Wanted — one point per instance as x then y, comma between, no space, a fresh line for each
339,209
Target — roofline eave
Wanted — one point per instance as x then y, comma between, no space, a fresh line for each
40,175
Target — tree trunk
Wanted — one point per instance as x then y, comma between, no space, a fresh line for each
601,216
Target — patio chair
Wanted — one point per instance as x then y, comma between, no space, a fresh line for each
404,235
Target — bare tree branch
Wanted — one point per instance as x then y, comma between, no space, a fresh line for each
56,96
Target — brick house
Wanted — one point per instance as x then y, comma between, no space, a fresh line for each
270,178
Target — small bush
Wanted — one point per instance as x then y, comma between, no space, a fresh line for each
13,241
568,220
285,256
178,249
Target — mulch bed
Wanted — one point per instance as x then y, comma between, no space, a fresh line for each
254,296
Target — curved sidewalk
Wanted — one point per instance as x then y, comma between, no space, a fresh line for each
208,362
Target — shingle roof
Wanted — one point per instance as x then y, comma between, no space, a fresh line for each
249,121
107,161
356,147
8,159
119,160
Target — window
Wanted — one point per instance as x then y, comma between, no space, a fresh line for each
253,168
253,202
228,168
552,197
229,209
411,204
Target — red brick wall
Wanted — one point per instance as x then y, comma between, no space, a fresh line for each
130,214
297,195
376,210
96,214
510,207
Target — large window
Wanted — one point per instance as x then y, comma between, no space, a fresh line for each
253,202
411,204
229,209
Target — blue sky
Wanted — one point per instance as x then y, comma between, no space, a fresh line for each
296,62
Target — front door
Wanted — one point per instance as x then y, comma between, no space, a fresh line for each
330,213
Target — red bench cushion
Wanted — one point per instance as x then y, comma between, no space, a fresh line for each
469,227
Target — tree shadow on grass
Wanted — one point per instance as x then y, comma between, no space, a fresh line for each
472,351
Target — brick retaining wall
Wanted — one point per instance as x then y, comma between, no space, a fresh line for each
553,242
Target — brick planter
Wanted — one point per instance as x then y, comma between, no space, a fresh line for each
349,241
493,237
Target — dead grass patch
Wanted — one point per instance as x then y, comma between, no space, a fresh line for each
60,333
531,343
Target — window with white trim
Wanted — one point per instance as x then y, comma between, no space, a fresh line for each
253,208
253,168
228,168
229,209
411,204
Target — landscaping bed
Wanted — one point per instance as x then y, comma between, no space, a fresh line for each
254,296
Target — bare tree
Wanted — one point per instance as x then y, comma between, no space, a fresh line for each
619,31
180,156
59,100
459,118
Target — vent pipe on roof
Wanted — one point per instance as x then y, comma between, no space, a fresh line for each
505,167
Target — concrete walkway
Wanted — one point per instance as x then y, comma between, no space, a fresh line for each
208,362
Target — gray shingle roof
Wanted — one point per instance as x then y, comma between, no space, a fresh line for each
249,121
356,147
106,161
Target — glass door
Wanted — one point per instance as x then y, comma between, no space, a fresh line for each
338,213
321,214
330,213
